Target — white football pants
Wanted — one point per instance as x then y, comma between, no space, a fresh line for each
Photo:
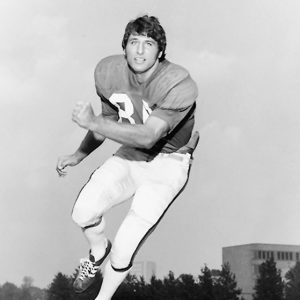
152,186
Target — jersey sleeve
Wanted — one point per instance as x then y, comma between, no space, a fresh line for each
178,102
102,75
108,110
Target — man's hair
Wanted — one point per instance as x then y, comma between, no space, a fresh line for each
150,27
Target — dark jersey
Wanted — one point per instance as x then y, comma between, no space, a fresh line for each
169,94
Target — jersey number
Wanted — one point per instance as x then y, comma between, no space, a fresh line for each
126,111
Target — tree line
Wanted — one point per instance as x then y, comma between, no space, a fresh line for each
208,285
271,286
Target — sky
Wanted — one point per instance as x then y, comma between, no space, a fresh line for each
244,184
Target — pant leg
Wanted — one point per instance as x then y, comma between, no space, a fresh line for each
109,185
152,199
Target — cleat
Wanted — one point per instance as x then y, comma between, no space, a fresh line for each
87,271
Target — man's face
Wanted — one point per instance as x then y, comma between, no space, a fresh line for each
142,53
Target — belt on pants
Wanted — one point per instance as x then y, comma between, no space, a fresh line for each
178,156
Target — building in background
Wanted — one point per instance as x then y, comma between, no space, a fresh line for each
244,261
145,269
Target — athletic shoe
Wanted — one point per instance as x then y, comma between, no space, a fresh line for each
88,269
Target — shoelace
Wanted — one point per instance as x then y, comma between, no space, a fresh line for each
87,269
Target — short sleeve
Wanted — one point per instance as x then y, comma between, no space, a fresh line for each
101,76
178,103
104,76
108,110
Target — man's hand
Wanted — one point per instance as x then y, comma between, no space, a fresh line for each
83,114
68,161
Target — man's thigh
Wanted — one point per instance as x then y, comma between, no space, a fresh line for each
109,185
166,180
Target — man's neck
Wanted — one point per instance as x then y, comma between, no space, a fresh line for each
143,77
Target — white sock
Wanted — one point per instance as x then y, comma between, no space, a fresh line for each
111,281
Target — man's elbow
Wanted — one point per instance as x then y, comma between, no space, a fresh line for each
150,141
148,145
152,135
98,136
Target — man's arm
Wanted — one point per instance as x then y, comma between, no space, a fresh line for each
136,135
90,142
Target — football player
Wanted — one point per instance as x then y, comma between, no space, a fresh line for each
148,106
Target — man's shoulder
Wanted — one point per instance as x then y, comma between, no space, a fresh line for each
172,74
108,73
172,69
176,67
111,63
173,79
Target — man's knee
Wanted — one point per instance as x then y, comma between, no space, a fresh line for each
121,260
129,239
85,217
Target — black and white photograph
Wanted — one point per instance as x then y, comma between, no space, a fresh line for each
150,150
